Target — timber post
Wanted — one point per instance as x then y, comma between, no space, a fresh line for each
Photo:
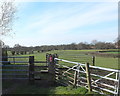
51,68
31,69
75,79
93,60
88,77
47,59
119,83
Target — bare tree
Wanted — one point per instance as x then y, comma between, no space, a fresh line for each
7,11
94,42
1,44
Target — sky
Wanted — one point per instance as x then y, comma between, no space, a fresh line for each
55,23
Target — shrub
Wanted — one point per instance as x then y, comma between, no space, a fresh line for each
13,52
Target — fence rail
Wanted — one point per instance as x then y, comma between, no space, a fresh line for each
20,70
13,65
14,57
90,80
14,62
17,69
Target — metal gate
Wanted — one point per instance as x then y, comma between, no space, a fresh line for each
97,79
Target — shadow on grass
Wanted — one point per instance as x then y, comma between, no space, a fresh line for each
23,87
43,88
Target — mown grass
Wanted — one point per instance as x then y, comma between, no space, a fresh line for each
80,56
107,62
71,55
113,52
77,56
60,90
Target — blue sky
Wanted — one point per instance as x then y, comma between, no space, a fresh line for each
51,23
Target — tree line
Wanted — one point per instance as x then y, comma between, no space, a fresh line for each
19,49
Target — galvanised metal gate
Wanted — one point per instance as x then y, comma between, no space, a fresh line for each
98,79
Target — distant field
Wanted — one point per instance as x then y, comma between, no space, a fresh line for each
107,62
79,56
113,52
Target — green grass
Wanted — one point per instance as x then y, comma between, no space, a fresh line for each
113,52
77,56
71,55
35,89
70,90
107,62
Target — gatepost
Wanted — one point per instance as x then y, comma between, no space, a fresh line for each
51,68
31,69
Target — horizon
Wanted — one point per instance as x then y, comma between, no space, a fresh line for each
56,23
91,43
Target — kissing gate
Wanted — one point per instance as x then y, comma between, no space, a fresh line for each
64,72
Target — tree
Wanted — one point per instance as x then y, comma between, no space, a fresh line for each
17,48
13,52
7,11
1,43
94,42
117,42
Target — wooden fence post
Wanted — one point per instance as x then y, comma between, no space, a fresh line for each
119,83
75,79
4,55
51,68
88,77
56,56
47,58
93,60
31,69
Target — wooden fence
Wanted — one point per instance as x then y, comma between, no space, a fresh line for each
22,69
98,79
14,69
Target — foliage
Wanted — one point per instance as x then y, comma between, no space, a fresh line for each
72,46
4,54
70,90
7,11
13,52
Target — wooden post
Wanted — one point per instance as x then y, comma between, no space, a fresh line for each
119,83
4,55
31,69
51,68
56,56
93,60
88,77
75,79
47,57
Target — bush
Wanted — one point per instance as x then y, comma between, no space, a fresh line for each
4,55
13,52
17,52
21,52
25,52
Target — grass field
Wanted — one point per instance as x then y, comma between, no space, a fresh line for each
113,52
77,56
71,55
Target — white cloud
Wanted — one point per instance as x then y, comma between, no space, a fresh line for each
55,25
66,0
